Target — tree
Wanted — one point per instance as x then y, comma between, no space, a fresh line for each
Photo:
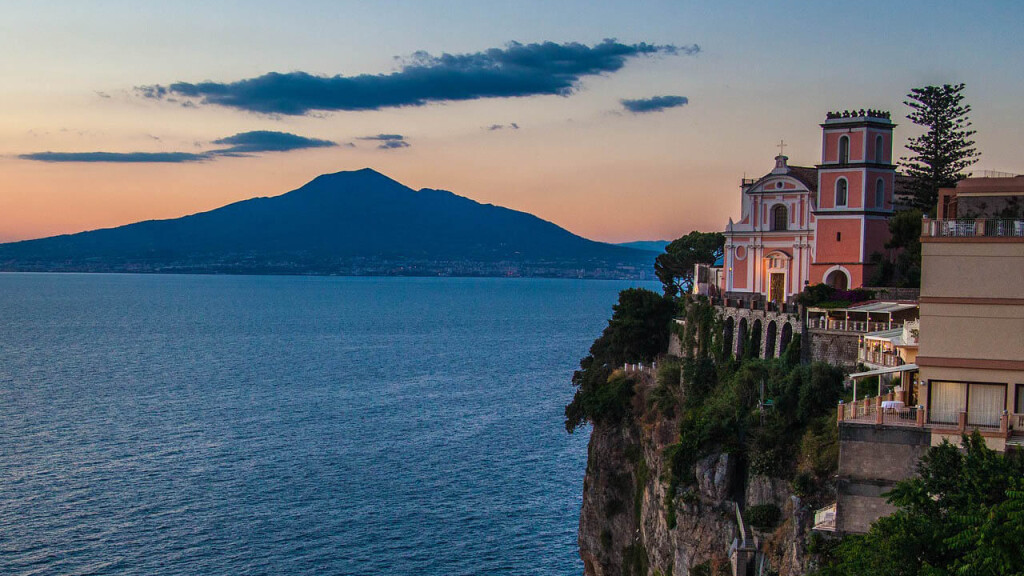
637,332
675,267
902,265
941,154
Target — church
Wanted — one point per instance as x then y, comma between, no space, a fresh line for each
807,225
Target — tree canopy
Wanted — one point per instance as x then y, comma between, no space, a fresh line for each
675,267
945,150
637,332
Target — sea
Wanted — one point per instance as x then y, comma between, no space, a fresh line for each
274,425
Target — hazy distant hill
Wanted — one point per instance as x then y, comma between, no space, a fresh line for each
359,222
649,245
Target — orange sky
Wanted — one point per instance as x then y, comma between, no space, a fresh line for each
581,161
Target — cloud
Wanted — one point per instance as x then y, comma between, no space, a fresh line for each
654,104
268,141
388,141
517,70
124,157
510,126
241,144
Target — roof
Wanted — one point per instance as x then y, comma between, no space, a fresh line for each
894,335
882,306
806,175
890,370
872,307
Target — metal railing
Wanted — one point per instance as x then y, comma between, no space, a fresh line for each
850,325
879,358
973,228
825,519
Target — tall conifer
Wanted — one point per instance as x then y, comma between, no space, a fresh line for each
941,154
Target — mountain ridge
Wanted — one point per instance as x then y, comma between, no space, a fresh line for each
336,223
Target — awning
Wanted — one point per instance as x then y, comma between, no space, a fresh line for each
890,370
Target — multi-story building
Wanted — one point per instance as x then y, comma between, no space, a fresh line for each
970,357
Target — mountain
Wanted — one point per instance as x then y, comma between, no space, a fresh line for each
358,222
648,245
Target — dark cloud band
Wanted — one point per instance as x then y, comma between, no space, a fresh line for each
241,144
654,104
514,71
388,141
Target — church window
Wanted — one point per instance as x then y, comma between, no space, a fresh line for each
842,187
844,149
780,217
879,157
880,193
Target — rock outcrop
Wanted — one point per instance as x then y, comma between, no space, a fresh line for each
625,520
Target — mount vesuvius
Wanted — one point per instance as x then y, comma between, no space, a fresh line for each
358,222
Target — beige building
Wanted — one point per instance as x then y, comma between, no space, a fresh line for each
970,353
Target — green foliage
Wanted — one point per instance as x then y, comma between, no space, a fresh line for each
945,150
901,266
763,516
665,395
634,560
637,332
675,267
963,515
825,296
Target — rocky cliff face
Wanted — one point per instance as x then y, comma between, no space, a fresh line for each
625,521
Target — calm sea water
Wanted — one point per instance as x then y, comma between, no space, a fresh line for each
274,425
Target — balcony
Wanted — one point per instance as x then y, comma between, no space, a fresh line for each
825,519
879,358
882,410
841,325
973,228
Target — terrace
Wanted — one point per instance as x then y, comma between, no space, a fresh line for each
973,228
867,317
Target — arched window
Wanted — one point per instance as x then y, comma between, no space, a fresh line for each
841,191
880,193
780,217
844,149
879,156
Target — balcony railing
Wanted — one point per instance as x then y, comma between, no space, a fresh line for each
850,325
973,228
879,358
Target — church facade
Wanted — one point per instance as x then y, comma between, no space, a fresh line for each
807,225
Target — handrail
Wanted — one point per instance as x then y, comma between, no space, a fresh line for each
973,228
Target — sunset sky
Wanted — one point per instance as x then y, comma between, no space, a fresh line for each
114,112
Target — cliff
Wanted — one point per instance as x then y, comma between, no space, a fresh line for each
626,520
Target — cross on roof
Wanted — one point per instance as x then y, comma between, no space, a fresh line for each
782,147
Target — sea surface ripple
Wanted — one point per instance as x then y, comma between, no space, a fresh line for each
217,425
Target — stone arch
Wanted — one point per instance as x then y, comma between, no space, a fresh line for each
837,277
741,338
786,338
727,335
770,336
756,331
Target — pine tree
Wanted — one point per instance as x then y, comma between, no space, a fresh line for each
945,150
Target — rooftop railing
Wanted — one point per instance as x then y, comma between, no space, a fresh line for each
973,228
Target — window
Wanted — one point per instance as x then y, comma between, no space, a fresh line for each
841,190
880,193
844,149
948,399
879,156
839,236
985,404
780,217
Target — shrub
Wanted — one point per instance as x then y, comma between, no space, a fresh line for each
763,515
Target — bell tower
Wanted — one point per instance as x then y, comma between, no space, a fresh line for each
855,191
